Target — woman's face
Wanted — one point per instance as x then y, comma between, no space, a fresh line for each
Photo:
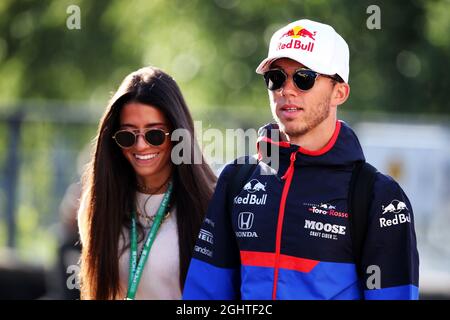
151,163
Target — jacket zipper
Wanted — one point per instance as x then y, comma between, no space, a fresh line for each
288,177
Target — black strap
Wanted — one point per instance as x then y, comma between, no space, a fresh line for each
359,201
241,173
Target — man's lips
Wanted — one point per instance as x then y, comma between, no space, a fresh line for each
291,108
290,111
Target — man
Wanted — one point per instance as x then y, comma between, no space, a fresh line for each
287,235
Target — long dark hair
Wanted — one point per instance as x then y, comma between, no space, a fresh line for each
109,185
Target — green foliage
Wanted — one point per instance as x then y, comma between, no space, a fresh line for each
36,244
212,48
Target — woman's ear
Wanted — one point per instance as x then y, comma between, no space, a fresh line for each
341,91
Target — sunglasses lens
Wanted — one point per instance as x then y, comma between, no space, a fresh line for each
274,79
125,139
155,137
304,79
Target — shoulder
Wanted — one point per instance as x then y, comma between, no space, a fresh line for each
229,169
389,195
385,183
81,216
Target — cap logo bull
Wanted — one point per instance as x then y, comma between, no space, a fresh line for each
298,31
291,39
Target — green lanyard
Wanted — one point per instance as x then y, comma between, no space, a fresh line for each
136,268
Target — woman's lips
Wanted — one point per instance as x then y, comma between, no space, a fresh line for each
145,158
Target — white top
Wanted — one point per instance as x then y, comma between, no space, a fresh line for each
161,274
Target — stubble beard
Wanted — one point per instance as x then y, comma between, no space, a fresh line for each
310,120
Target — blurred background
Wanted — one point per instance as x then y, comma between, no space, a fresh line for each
61,60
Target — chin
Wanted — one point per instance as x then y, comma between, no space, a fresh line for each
293,130
145,173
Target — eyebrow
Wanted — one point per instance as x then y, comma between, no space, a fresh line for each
148,125
274,65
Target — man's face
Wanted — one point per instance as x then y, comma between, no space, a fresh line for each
298,112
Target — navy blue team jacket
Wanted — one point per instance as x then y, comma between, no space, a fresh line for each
288,233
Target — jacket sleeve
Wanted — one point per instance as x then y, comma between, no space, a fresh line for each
390,256
214,271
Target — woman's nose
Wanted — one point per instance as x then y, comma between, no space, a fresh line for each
140,141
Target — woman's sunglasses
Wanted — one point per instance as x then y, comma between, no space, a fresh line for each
303,78
127,138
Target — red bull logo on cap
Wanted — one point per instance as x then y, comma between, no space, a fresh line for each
296,33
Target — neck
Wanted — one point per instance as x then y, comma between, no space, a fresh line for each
317,138
156,184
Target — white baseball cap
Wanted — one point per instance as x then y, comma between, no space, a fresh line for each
315,45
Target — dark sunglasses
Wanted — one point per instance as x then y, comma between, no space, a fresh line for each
127,138
303,78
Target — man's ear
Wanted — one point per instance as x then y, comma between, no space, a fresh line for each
341,91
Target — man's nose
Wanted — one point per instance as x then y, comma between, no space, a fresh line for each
289,87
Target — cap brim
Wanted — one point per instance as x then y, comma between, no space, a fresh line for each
265,64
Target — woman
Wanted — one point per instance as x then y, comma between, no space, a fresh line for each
134,197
